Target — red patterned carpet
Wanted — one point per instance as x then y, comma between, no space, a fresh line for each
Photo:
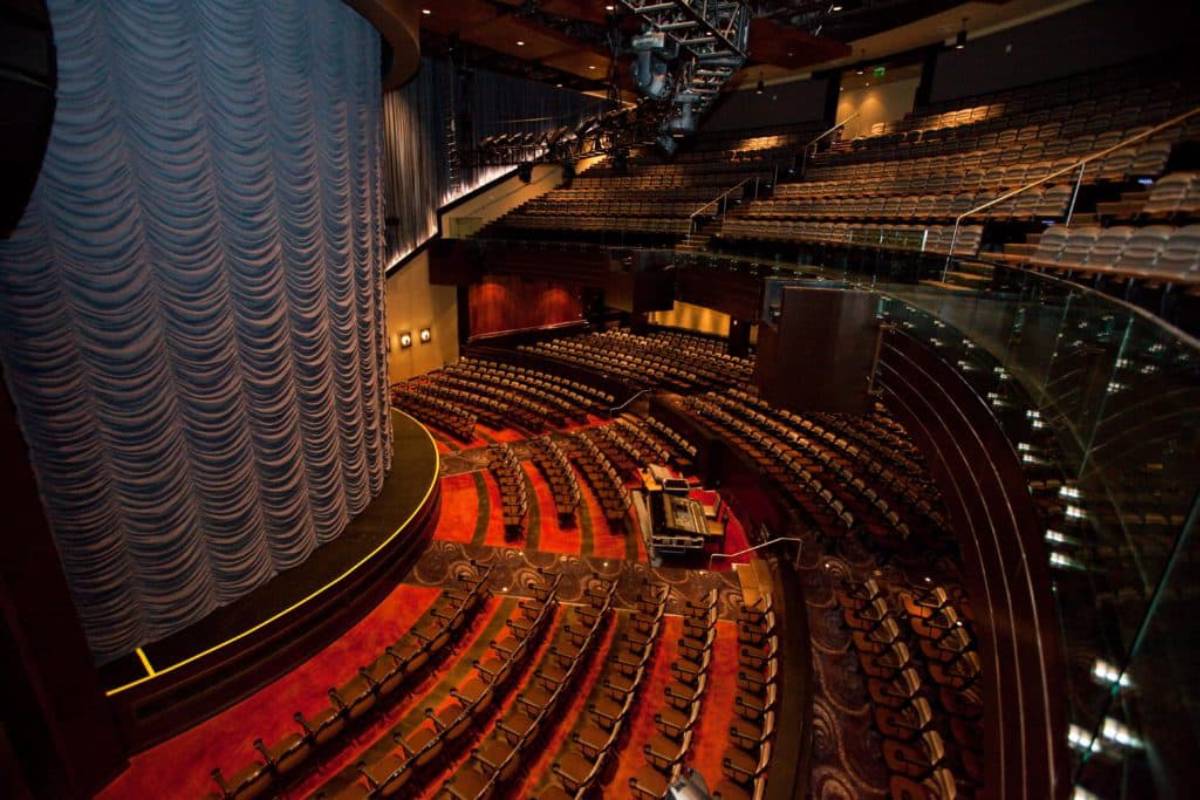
641,727
180,767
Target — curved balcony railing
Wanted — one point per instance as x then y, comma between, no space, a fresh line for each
1102,402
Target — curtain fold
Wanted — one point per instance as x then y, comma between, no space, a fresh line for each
433,122
191,309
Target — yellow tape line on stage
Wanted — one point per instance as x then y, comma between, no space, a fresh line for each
152,673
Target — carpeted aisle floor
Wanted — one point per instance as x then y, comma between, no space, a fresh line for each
180,767
651,699
407,715
461,509
575,716
717,713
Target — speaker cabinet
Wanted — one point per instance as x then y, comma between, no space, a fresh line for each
28,78
820,352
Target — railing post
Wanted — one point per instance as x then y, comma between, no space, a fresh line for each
950,252
1075,194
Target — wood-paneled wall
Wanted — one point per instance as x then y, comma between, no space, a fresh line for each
509,303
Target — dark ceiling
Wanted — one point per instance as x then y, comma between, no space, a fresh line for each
569,42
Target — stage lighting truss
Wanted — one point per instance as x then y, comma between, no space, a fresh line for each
687,51
706,38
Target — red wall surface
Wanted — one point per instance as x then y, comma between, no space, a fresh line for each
509,303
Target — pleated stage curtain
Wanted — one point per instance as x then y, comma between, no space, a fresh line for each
192,306
431,125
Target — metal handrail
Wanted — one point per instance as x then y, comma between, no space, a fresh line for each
1081,164
718,198
813,144
758,547
635,396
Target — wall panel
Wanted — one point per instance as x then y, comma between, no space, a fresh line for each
501,303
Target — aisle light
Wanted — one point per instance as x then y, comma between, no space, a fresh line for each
1109,675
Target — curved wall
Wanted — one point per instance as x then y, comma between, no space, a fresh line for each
191,308
1004,562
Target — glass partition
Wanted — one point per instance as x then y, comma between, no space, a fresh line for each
1102,402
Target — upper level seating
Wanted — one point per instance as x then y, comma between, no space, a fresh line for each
902,187
649,198
773,144
1137,242
1114,98
1151,251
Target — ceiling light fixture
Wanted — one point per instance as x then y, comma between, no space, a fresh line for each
960,40
591,66
520,43
759,88
833,9
426,11
610,7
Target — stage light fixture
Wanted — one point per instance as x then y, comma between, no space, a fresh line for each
406,340
425,335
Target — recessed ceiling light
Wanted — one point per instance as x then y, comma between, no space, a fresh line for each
867,84
610,8
790,54
520,43
426,11
591,66
860,72
835,8
558,86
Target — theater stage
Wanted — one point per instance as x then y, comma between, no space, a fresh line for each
173,683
